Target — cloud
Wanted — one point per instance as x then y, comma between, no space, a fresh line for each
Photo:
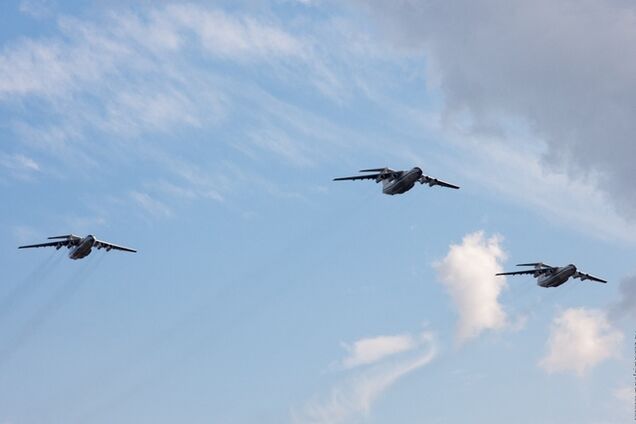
625,395
87,52
147,69
278,143
24,233
150,205
234,37
517,173
579,340
468,274
556,67
19,166
97,94
626,304
37,9
368,351
354,397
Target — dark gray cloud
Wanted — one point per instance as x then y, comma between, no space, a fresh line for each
626,304
566,68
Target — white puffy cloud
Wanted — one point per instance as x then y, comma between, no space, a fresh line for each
561,68
353,397
468,274
373,349
579,340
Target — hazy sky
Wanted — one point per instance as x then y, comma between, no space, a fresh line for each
206,135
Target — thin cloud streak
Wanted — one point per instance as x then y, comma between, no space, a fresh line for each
19,166
353,398
373,349
577,204
152,206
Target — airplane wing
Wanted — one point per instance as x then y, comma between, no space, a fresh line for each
527,272
108,246
58,244
383,173
425,179
583,276
359,177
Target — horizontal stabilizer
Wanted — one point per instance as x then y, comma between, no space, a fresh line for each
376,170
68,236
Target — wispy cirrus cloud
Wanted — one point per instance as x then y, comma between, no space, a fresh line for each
133,77
577,203
150,205
140,76
19,166
88,52
353,397
373,349
24,233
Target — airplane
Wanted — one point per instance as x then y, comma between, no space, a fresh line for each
81,246
552,276
398,182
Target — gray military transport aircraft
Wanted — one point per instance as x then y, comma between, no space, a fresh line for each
397,182
80,246
552,276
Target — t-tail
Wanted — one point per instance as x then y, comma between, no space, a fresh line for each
382,174
536,265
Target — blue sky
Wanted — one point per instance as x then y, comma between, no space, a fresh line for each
206,136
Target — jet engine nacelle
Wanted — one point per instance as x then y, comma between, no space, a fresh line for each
382,175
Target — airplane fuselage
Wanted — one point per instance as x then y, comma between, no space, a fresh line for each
556,278
83,249
403,183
